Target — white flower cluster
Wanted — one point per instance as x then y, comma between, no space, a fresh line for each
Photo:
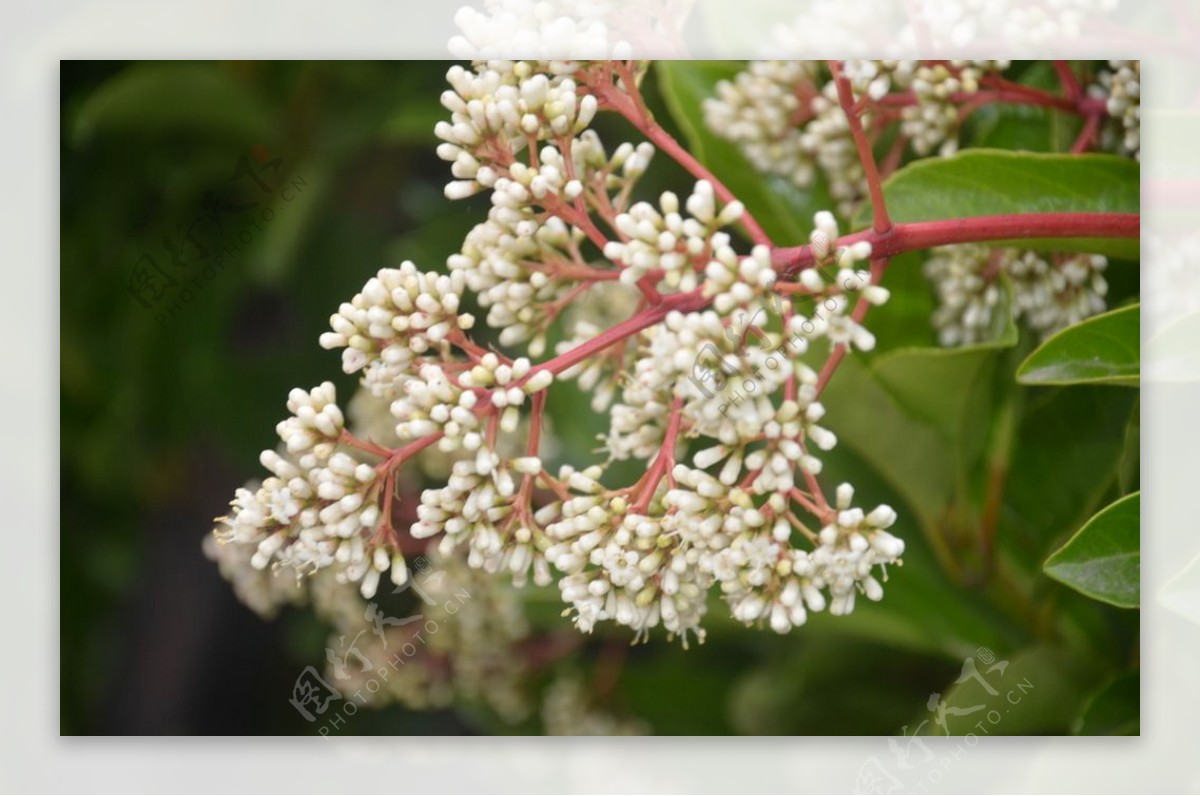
724,369
401,315
434,402
318,509
518,129
644,556
621,566
479,508
1054,294
1120,86
932,123
786,117
496,111
1049,294
763,110
523,266
747,549
662,239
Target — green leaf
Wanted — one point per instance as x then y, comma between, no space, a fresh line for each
1065,459
985,182
1104,349
1103,560
155,97
784,210
919,417
1113,710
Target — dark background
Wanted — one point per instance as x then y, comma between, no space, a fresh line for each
164,409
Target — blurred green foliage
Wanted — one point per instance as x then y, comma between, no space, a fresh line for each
163,413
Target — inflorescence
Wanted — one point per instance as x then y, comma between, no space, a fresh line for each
717,398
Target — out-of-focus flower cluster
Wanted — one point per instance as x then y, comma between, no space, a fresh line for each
1049,293
1120,86
786,117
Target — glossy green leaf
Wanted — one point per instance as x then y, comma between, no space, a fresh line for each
919,416
1065,459
1104,349
1103,560
1113,710
985,182
784,210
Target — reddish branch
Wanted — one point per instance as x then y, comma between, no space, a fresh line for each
627,100
918,235
1070,82
882,223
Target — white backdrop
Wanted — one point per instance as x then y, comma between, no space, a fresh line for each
33,37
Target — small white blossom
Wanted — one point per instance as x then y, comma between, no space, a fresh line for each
401,315
319,508
480,507
663,239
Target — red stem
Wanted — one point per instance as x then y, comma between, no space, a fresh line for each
684,302
918,235
1070,82
664,461
1086,135
882,223
629,105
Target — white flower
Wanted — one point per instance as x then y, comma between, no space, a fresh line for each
663,239
400,315
786,117
763,110
623,566
495,110
319,508
480,508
